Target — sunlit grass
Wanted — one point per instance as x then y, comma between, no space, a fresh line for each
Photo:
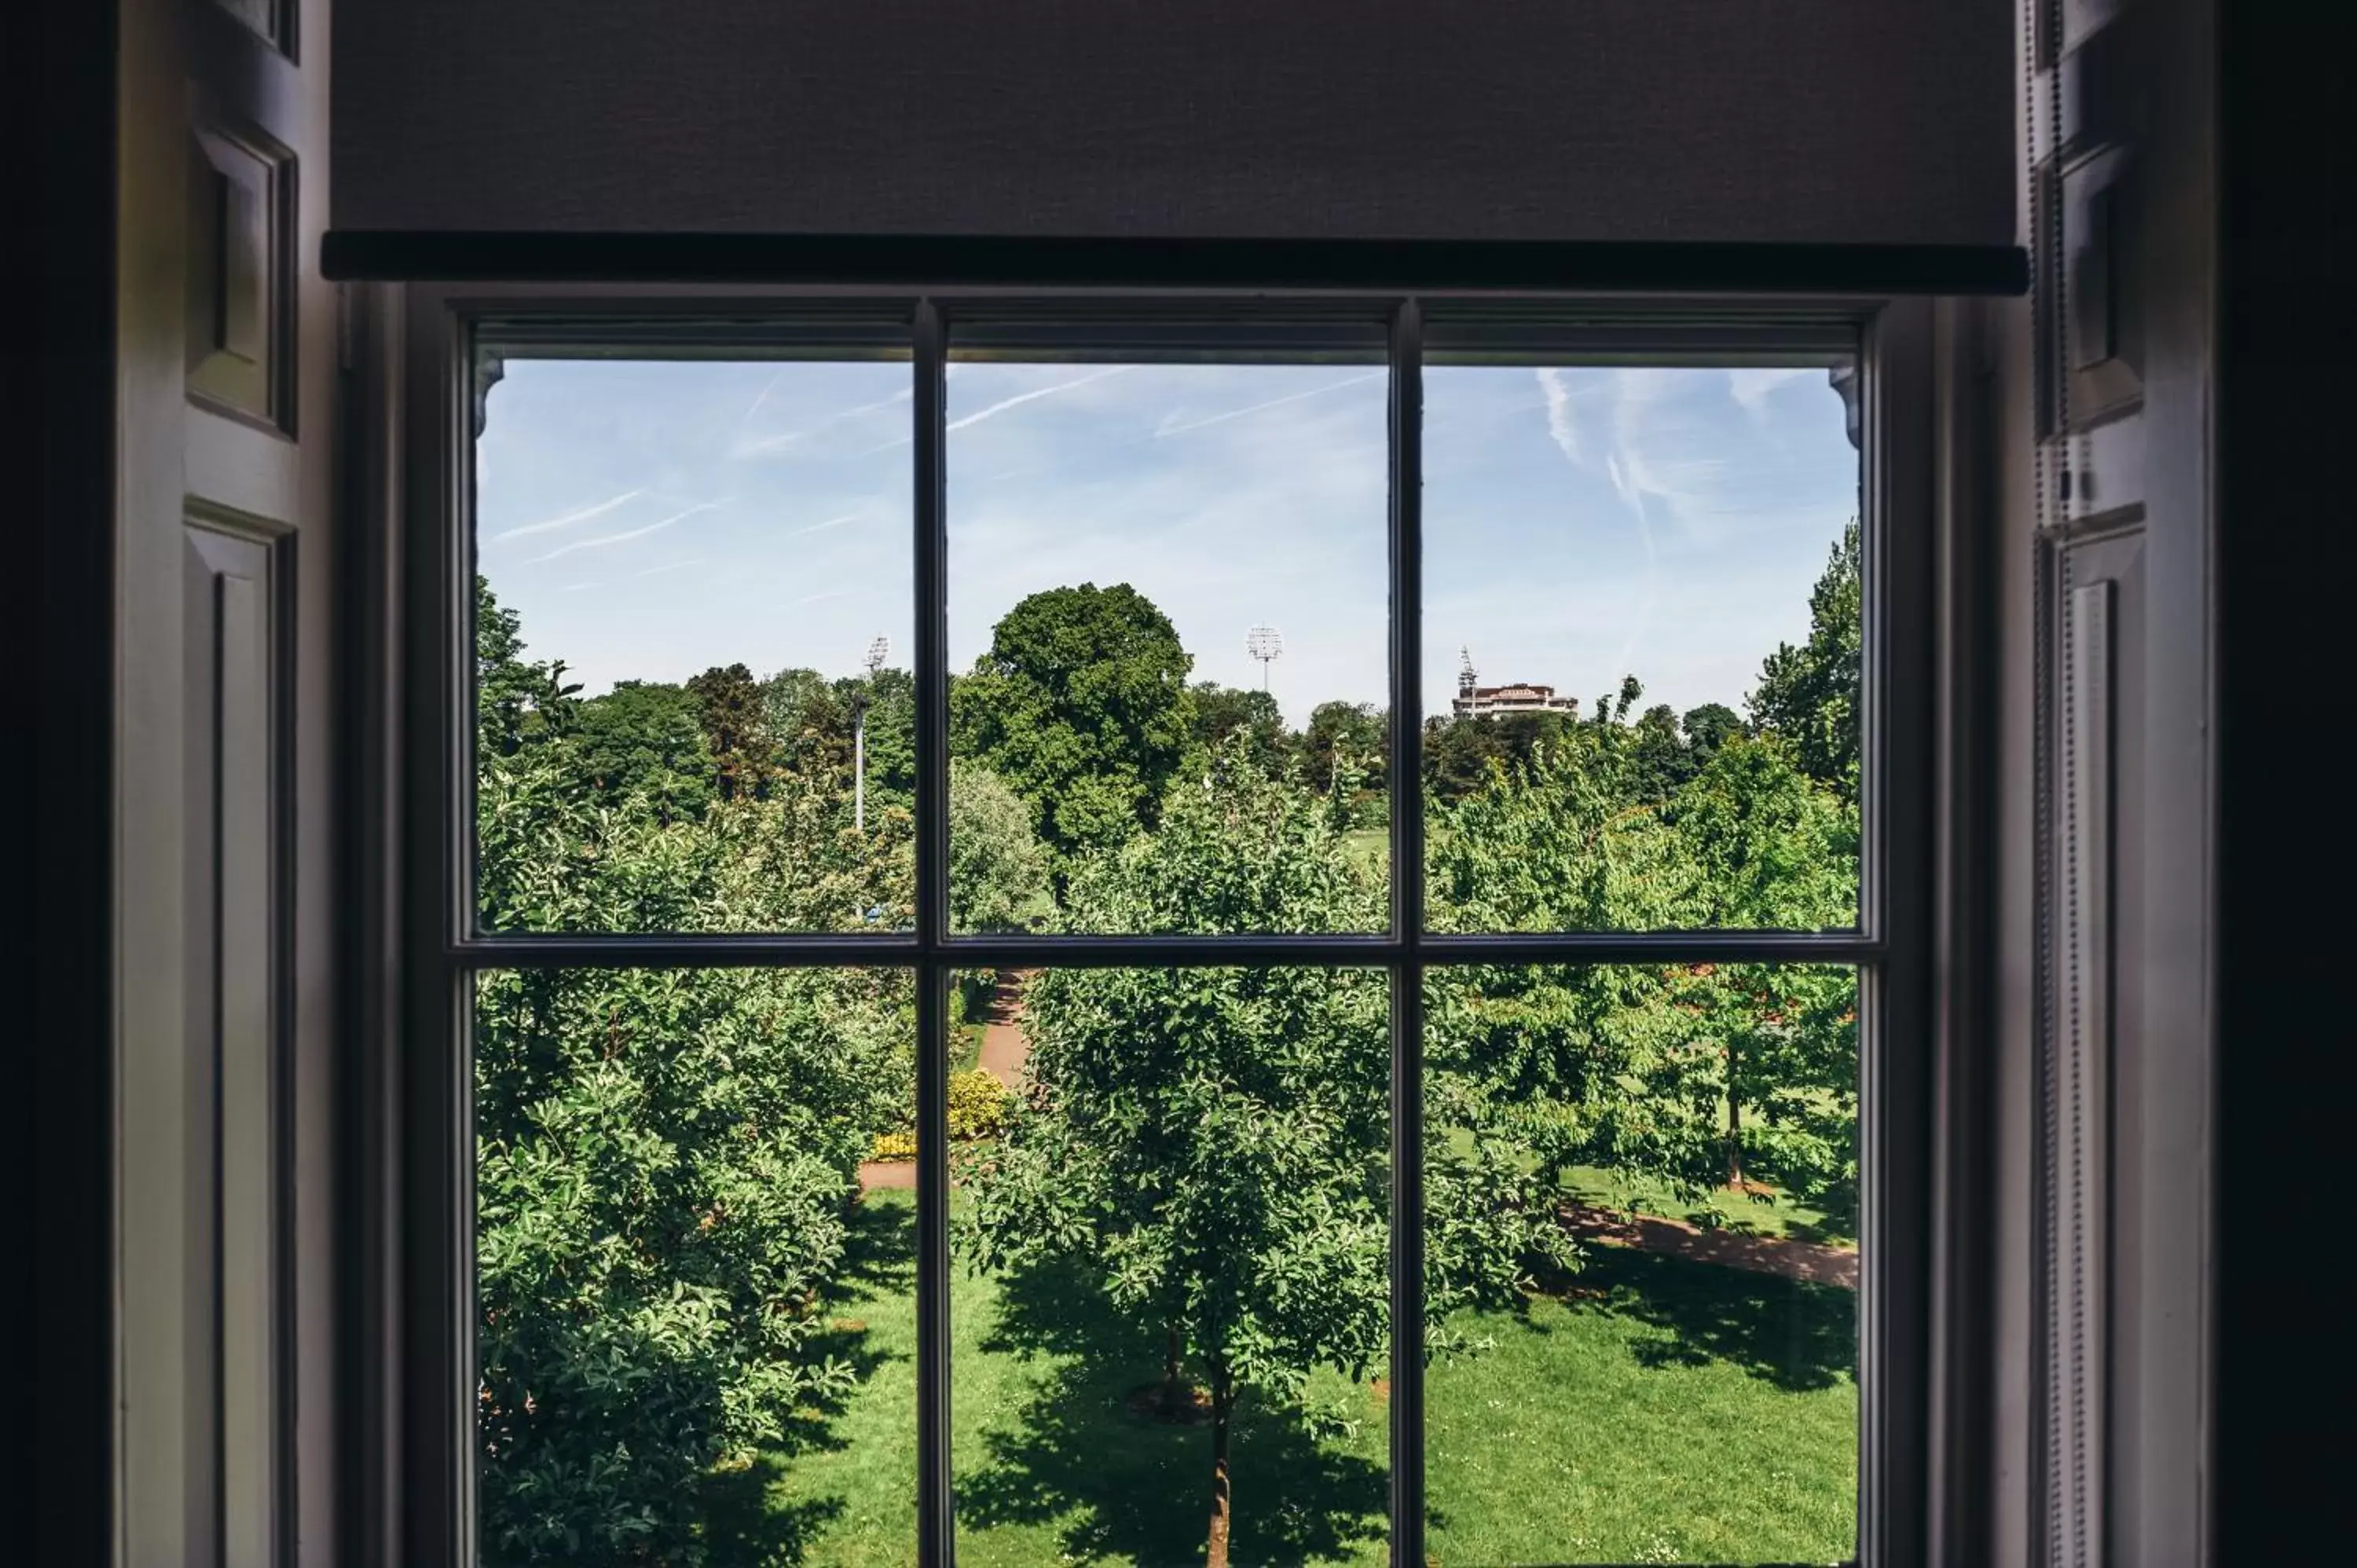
1656,1409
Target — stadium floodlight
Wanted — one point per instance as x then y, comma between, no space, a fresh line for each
877,652
1263,643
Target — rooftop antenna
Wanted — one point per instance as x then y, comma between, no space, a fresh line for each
877,652
1263,643
1465,673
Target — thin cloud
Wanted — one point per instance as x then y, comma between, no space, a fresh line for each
1210,420
673,566
570,518
761,397
1749,385
785,438
1560,428
603,539
577,587
829,522
1034,395
813,598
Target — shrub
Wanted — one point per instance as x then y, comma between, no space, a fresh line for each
979,1104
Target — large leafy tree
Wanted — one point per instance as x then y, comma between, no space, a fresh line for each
1000,875
1342,742
645,738
664,1158
1082,705
1809,693
1222,711
1771,849
736,729
1212,1142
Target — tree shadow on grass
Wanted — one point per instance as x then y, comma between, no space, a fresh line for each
1794,1334
1127,1486
745,1525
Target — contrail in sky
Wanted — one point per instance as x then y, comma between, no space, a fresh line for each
1273,403
606,539
570,518
978,415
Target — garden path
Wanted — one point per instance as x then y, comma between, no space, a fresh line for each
1004,1048
1782,1255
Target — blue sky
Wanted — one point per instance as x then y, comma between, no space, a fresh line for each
649,519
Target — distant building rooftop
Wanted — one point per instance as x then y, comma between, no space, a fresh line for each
1475,701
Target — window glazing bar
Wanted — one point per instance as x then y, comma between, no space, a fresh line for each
935,1530
1407,927
834,951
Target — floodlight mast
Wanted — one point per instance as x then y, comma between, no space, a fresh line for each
1263,642
877,652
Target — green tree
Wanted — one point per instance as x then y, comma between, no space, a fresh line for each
645,738
1000,875
1081,704
736,729
1221,711
1346,738
1772,849
1809,693
808,722
663,1157
1710,727
891,697
1585,1064
1212,1142
1660,760
517,701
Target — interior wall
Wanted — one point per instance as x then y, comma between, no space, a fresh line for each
2103,845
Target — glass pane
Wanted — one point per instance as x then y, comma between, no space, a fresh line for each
694,710
1167,619
1172,1212
1666,1372
695,1266
1642,627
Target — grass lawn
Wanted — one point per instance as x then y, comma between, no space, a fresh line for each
1372,847
966,1046
1758,1216
1657,1411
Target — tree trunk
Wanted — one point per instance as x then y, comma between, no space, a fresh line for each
1733,1125
1171,1388
1223,1405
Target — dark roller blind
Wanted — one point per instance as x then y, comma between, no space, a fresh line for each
1650,123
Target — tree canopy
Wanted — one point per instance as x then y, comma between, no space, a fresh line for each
1809,693
1212,1142
1082,705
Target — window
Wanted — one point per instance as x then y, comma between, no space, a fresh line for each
1079,930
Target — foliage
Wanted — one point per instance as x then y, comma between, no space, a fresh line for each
1212,1142
517,701
1082,705
1772,850
1649,1072
1809,694
662,1157
736,729
645,738
979,1105
1219,711
999,873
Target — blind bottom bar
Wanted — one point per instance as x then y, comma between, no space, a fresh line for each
948,261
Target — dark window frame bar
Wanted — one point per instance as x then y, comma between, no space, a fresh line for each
1889,339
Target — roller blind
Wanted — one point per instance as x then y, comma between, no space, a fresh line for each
634,127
